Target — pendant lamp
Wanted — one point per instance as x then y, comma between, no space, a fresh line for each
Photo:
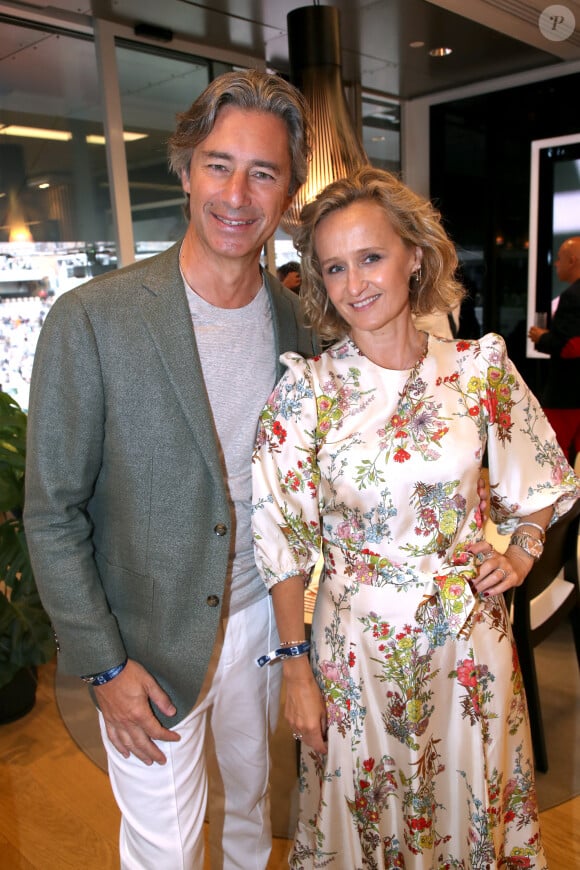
315,69
18,229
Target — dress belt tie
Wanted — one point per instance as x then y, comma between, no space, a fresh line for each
452,588
456,598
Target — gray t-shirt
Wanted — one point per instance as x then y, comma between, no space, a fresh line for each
238,358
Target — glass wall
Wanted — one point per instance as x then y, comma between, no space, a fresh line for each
57,225
54,195
53,177
381,130
154,88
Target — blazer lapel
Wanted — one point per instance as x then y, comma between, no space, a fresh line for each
285,326
167,317
289,333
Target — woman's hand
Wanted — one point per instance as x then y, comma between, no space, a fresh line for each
305,709
499,572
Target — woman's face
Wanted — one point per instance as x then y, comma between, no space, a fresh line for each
365,267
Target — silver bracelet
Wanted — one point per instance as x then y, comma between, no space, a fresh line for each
537,526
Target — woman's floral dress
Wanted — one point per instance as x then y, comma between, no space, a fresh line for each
429,760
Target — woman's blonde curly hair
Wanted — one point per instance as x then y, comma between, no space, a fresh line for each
416,221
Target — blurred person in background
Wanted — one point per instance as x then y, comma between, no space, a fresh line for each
289,275
560,396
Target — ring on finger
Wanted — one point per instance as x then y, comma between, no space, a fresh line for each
503,571
296,735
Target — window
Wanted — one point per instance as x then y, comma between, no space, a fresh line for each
54,193
154,87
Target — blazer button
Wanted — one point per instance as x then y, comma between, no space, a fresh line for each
221,529
213,600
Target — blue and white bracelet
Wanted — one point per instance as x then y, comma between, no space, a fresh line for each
104,677
284,652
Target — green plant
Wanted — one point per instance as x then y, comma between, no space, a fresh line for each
26,637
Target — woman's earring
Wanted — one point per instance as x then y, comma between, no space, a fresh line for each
418,275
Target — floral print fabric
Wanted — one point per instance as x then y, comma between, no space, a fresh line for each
429,761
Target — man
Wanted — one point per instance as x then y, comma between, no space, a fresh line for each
141,431
289,275
561,396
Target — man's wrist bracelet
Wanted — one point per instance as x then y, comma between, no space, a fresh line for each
104,676
284,652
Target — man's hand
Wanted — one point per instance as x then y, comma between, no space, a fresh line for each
536,332
131,724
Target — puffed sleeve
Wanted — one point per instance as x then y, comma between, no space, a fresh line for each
527,468
285,510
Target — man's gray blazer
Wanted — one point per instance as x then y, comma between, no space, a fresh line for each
126,512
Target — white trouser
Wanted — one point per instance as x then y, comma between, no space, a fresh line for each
164,806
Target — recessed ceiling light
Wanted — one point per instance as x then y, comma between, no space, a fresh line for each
94,139
36,133
61,135
440,52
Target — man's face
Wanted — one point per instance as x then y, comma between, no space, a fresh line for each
292,281
238,183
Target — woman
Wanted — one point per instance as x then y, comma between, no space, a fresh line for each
415,743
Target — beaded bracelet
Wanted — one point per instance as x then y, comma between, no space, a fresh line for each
285,652
292,642
104,676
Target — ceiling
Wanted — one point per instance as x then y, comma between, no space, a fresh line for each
489,38
385,51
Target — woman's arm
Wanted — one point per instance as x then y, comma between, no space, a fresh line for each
304,709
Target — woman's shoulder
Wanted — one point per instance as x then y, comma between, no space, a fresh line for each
343,349
490,342
332,364
471,357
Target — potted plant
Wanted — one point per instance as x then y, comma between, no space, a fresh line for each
26,637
